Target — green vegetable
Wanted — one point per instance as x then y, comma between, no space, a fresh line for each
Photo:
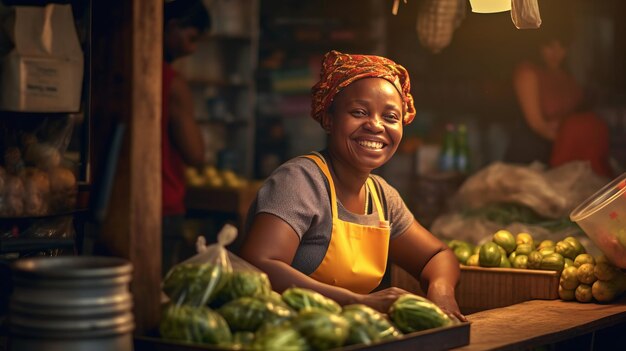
245,283
194,324
412,313
534,260
283,337
242,340
322,329
553,261
244,313
194,284
300,298
368,325
566,249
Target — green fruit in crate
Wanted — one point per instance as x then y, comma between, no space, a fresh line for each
322,329
504,262
524,249
520,261
585,273
462,253
476,249
490,255
580,249
553,261
568,262
569,279
512,256
567,294
546,250
524,238
473,260
545,243
454,243
505,239
566,249
301,298
584,258
534,260
583,293
412,313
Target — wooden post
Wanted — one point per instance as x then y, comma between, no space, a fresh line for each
126,57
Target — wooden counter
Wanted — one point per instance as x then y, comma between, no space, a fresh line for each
573,325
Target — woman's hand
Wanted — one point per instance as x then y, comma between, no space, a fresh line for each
381,300
444,298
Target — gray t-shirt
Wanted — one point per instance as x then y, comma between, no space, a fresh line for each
298,193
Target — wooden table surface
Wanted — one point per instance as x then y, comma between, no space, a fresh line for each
541,322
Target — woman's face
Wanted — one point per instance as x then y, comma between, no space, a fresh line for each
553,53
365,124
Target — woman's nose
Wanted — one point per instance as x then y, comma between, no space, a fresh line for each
375,123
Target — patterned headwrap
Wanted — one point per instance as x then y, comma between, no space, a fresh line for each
340,70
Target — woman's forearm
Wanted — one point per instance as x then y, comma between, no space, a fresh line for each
441,273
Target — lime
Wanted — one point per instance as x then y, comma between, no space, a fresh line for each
490,255
505,239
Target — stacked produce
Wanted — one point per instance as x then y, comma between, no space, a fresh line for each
591,278
212,177
582,277
237,309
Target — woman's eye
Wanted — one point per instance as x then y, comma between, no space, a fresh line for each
359,113
392,117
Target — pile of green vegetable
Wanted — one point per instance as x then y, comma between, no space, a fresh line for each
238,310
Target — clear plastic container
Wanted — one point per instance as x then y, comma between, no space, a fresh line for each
603,218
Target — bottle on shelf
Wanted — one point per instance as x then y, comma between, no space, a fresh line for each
462,163
448,150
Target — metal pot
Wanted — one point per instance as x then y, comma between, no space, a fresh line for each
71,303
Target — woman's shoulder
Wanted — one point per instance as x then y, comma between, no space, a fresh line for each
526,68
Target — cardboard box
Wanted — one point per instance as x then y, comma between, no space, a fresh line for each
486,288
44,71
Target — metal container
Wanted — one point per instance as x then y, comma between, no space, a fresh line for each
71,303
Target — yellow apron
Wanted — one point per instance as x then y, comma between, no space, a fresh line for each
357,254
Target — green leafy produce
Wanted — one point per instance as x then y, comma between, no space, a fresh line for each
300,298
245,283
507,213
194,284
194,324
322,329
412,313
284,337
368,325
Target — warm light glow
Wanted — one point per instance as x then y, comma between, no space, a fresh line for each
490,6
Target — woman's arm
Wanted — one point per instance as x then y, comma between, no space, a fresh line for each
271,245
526,85
431,262
183,128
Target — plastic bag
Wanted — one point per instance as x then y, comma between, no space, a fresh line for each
552,193
525,14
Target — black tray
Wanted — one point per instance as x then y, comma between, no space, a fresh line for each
435,339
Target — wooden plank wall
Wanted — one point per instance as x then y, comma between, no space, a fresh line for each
126,40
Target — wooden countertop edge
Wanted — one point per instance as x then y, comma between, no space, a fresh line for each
540,322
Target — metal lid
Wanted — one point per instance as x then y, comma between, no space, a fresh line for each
72,267
603,197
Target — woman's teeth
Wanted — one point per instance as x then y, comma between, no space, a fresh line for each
371,144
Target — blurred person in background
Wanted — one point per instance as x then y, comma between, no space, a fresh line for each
557,127
182,144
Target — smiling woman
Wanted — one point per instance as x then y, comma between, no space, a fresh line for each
324,222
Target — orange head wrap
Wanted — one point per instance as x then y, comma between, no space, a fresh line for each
340,70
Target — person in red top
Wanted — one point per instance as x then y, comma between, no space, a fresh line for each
181,141
557,127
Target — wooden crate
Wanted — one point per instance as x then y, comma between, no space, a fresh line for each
435,339
486,288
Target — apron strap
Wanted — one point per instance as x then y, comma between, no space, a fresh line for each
379,208
321,163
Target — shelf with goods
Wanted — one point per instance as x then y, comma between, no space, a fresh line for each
294,38
220,75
